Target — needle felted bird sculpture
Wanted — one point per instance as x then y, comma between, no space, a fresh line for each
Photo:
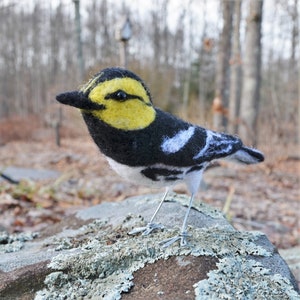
147,145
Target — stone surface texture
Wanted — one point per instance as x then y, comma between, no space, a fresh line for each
91,256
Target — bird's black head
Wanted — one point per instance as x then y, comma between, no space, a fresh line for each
115,96
80,99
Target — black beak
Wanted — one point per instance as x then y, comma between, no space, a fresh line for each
79,100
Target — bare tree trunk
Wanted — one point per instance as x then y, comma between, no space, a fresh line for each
235,72
202,86
188,71
186,91
251,73
221,93
294,86
295,33
298,103
79,40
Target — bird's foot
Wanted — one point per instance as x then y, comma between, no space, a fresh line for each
146,229
182,237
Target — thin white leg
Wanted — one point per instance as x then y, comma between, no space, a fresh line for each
159,206
151,226
183,228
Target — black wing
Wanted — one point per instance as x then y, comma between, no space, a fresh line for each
168,140
184,144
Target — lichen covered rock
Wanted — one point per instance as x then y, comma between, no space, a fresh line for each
97,259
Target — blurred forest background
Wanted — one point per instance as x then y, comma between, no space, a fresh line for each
227,65
238,60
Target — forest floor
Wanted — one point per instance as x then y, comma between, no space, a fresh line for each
264,197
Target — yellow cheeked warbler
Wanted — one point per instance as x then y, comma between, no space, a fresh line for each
147,145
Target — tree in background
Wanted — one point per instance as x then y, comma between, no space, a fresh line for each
222,73
235,72
80,59
251,73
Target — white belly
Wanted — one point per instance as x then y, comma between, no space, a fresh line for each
166,175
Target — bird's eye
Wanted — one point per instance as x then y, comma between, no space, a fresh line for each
120,95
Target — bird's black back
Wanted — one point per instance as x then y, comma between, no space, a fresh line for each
143,147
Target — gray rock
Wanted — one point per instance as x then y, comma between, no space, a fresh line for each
91,256
292,257
15,174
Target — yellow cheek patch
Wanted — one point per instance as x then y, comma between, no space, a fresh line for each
132,114
128,115
128,85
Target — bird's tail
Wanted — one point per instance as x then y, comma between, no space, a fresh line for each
247,155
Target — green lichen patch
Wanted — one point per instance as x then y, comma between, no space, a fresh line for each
15,242
218,242
102,266
239,278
